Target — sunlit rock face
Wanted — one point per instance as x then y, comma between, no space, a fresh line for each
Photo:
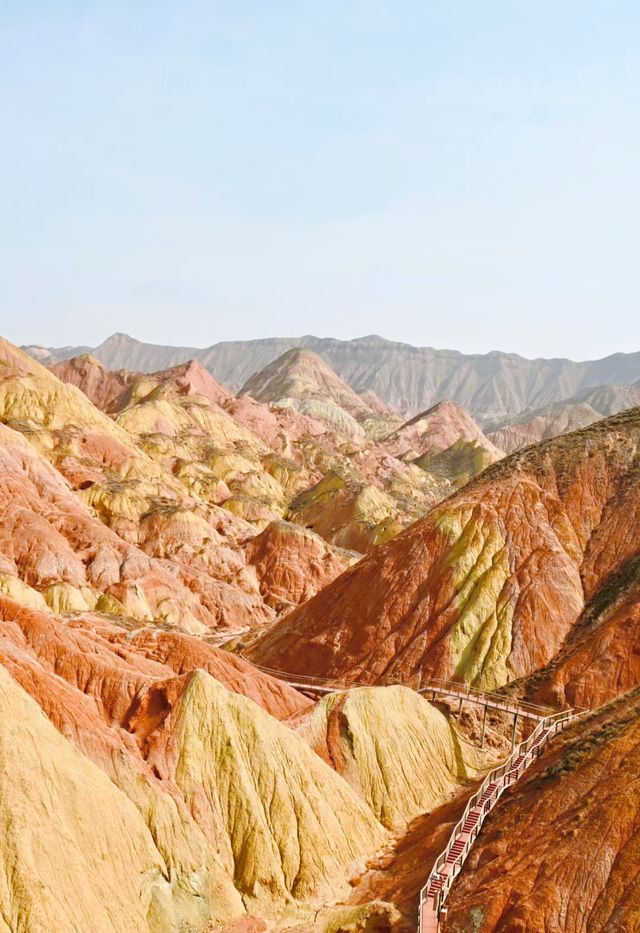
218,796
347,511
399,752
436,430
148,519
287,822
293,564
487,587
125,519
56,549
76,853
303,376
265,458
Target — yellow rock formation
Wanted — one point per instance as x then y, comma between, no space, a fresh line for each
398,751
76,853
291,825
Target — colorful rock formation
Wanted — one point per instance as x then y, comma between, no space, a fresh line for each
266,460
487,587
151,780
411,379
577,812
531,427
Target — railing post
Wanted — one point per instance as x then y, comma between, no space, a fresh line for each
513,735
484,725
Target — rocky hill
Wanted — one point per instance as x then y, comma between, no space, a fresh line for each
161,537
312,455
489,585
578,811
531,427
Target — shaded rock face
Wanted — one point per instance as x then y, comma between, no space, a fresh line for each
601,657
489,585
106,389
578,811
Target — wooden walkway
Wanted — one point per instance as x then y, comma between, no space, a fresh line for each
449,863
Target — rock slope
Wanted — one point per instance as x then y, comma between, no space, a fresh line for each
124,514
76,853
487,587
531,427
601,657
578,810
267,460
402,754
224,808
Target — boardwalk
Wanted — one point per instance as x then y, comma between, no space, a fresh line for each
449,863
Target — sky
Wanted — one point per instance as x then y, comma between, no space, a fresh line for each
461,175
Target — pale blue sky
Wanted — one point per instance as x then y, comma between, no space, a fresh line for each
460,174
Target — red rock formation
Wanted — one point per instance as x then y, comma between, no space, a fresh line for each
488,586
293,564
105,388
111,391
193,379
601,657
87,673
577,811
436,430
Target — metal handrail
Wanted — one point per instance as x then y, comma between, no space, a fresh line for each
529,710
501,777
453,688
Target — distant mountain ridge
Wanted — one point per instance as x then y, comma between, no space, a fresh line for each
412,379
531,427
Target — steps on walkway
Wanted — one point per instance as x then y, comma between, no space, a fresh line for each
450,861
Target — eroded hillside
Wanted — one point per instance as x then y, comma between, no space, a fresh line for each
578,812
489,585
153,781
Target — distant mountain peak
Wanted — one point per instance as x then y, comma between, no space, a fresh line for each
299,373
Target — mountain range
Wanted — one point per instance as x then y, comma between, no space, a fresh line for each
411,379
220,600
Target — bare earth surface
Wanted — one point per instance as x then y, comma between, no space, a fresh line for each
152,522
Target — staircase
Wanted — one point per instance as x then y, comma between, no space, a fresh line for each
449,863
